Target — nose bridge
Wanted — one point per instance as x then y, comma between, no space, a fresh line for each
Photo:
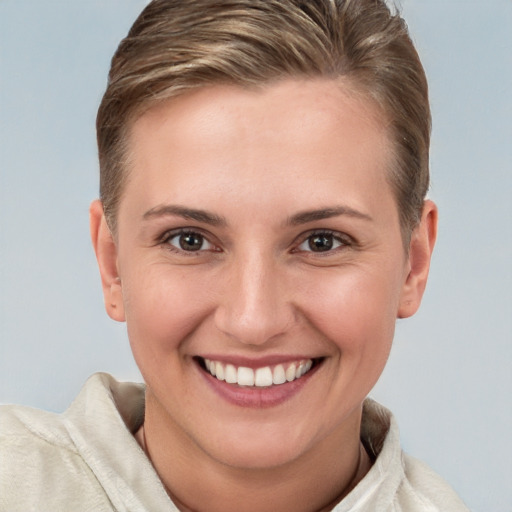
254,308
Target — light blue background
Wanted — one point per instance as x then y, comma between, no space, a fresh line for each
449,379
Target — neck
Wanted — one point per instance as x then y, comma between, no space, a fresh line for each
314,482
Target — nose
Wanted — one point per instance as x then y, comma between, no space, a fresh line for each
255,306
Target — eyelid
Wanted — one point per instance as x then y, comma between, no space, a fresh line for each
343,238
172,233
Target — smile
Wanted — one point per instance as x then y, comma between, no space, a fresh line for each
265,376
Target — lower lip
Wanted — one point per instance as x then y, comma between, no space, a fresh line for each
258,397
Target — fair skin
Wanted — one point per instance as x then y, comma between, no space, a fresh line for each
257,230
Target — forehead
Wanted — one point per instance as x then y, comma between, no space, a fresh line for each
320,99
312,133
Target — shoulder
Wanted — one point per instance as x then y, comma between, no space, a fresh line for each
31,439
42,468
19,425
424,489
398,482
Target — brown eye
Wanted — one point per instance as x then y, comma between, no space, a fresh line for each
321,243
189,241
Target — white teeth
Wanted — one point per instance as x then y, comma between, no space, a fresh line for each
279,377
245,376
230,374
219,371
261,377
290,373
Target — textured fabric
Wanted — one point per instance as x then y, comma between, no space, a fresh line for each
87,459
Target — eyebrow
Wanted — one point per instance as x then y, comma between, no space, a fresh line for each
186,213
216,220
326,213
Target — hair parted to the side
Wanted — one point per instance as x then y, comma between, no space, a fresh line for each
178,45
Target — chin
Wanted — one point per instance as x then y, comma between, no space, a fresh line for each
257,451
261,458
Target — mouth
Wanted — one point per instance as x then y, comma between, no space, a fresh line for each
261,377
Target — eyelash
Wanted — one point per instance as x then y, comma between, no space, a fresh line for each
169,235
340,239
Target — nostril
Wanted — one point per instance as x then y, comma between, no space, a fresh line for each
254,326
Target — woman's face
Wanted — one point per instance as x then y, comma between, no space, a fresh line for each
258,239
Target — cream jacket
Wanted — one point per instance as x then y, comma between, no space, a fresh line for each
87,459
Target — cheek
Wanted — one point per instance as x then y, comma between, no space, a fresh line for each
162,309
356,311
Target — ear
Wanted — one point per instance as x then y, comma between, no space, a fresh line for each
421,246
106,254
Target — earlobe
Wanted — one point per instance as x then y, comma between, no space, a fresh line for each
106,255
420,252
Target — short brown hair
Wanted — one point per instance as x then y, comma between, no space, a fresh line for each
177,45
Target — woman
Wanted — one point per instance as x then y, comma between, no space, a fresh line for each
262,224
